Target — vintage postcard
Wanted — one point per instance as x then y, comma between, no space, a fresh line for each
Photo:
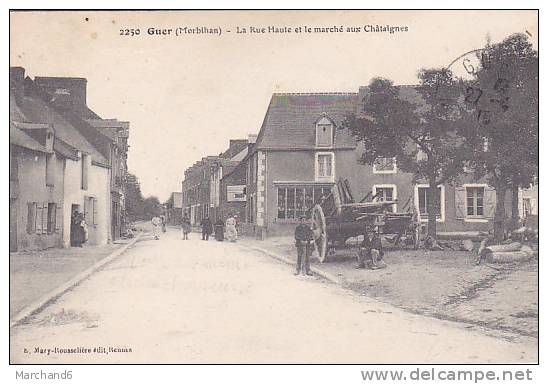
274,187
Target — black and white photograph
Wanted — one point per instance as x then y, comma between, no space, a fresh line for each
274,187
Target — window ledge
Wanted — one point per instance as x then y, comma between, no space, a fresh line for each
475,220
385,172
437,220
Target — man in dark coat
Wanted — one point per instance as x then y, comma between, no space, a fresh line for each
207,228
371,252
303,242
219,229
77,233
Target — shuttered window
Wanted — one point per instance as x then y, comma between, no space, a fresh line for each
51,217
31,217
475,201
58,217
91,214
44,218
87,210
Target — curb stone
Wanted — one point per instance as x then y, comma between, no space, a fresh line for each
326,275
39,304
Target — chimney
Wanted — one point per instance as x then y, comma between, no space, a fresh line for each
17,81
66,92
251,140
17,75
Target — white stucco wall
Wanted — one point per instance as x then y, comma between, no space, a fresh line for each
98,187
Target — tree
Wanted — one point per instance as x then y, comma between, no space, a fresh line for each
133,198
502,125
152,207
415,126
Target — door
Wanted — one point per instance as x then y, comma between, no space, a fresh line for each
115,221
13,225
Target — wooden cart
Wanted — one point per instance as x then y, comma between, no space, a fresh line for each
337,218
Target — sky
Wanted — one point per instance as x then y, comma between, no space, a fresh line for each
186,96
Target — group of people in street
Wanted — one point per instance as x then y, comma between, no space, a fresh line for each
157,223
370,254
222,230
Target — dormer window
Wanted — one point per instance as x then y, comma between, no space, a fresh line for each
324,132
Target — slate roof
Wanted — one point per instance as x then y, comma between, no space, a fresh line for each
20,138
291,118
35,110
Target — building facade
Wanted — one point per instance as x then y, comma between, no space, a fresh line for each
55,170
302,150
195,190
201,187
174,208
68,96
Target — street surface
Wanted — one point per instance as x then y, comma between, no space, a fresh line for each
175,301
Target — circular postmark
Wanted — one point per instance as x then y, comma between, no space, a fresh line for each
485,83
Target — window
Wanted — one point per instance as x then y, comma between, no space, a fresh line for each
31,217
325,166
324,133
421,155
475,201
205,209
251,209
50,171
527,206
37,218
386,192
52,215
84,171
421,202
296,201
486,144
385,165
91,215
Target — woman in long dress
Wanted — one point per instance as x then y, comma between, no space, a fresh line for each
231,233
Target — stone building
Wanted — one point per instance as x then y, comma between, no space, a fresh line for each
81,159
71,175
302,150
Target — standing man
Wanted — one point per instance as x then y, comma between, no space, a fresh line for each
164,223
377,252
206,228
185,227
219,229
303,242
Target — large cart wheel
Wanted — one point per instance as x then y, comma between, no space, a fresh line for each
320,232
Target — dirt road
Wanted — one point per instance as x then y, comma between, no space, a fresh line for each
174,301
